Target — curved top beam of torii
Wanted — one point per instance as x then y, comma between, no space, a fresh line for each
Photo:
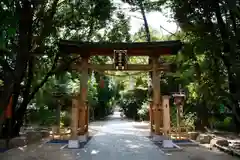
86,49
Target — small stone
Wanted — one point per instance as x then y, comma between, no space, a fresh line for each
193,135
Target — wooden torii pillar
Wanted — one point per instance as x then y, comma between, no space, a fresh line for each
166,115
79,122
74,120
151,116
82,109
156,97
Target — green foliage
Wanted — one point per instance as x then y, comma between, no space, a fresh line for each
104,97
227,124
143,112
189,120
65,119
41,117
211,33
207,67
131,102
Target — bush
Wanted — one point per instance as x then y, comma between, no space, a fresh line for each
65,119
226,125
132,101
189,120
143,112
42,117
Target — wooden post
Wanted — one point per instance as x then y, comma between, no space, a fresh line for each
178,121
74,121
58,117
87,118
151,116
83,95
156,96
166,115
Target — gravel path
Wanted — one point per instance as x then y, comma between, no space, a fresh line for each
114,139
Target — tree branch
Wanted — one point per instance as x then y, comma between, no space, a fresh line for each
47,26
29,79
168,31
52,71
49,74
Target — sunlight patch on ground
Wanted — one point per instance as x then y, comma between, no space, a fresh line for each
128,141
133,146
118,132
94,152
100,134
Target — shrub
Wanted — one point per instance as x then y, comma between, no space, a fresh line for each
65,119
226,125
143,112
132,101
189,120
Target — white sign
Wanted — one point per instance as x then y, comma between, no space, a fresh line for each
73,144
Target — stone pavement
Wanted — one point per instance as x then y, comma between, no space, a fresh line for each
116,139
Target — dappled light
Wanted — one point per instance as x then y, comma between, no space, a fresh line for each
94,152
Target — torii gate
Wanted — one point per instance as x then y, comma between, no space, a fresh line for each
160,116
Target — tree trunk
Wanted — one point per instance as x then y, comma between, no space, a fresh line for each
148,35
25,35
230,51
202,117
235,106
146,26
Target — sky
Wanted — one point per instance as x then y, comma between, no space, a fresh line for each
155,20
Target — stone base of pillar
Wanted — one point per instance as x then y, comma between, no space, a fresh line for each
83,138
168,144
158,138
73,144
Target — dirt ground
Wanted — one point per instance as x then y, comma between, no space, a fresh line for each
200,153
46,151
42,151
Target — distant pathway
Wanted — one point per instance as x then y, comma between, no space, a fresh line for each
120,140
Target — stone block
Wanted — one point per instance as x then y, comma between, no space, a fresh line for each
167,144
218,141
235,144
222,142
73,144
17,142
204,138
158,138
82,138
193,135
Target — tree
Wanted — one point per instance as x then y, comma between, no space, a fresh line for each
33,28
215,24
